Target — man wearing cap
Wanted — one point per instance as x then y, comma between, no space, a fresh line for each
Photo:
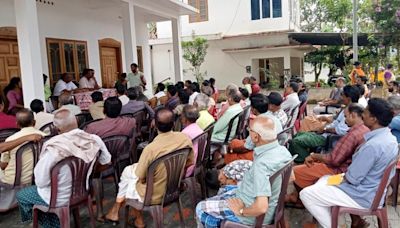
356,72
332,104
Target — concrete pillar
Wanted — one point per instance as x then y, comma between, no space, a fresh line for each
177,49
129,31
29,50
286,68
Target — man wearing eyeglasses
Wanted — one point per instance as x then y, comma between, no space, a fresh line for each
255,195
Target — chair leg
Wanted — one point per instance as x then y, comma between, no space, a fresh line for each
335,217
383,221
63,216
395,186
91,213
192,183
180,212
282,223
75,213
201,179
35,218
157,214
126,216
98,186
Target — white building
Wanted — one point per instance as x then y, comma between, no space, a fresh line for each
57,36
246,37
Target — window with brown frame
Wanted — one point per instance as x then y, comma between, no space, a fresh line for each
202,6
66,56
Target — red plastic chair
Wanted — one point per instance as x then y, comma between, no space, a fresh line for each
79,194
279,217
300,116
395,185
174,163
381,213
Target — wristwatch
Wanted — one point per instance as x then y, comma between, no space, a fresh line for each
241,212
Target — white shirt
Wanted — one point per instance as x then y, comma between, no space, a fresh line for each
292,100
160,94
85,83
192,97
42,118
363,102
47,162
61,86
124,99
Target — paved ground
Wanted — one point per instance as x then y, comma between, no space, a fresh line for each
295,217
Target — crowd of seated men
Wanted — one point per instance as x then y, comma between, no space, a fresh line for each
347,174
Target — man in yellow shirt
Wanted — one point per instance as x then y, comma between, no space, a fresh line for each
356,72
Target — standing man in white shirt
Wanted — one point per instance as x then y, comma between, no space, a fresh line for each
88,81
136,78
193,93
65,84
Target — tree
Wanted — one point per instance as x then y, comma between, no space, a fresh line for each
194,52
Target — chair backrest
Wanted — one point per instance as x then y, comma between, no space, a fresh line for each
49,129
243,122
83,117
285,135
284,173
119,148
5,133
79,173
174,163
201,142
29,147
87,123
207,155
302,110
230,126
385,181
291,117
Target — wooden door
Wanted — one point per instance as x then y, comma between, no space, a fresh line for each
109,66
139,52
9,62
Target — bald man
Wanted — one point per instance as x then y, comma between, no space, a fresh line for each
255,195
70,142
133,178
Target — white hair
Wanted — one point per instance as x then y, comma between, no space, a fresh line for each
267,134
202,101
63,118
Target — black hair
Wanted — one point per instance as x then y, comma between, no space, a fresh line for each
352,92
196,87
123,75
172,90
25,118
361,89
206,83
294,86
244,92
259,102
97,96
356,108
86,71
1,100
132,93
180,85
212,83
188,82
389,66
160,87
183,96
45,78
190,113
168,120
12,85
381,110
275,98
121,89
112,107
134,64
37,106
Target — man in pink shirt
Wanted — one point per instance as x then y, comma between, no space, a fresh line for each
6,121
189,116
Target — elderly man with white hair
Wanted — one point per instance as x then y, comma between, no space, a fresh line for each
205,119
255,195
70,142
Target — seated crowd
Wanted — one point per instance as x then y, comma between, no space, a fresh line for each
340,158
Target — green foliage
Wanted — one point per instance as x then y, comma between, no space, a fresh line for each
194,52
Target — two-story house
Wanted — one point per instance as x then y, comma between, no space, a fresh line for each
246,37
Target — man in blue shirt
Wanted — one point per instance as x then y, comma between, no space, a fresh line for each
362,179
395,124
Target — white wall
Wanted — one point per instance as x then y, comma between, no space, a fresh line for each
230,17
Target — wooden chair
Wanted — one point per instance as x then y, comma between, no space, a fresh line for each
49,129
381,213
119,147
5,133
279,217
79,194
174,163
83,117
199,174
